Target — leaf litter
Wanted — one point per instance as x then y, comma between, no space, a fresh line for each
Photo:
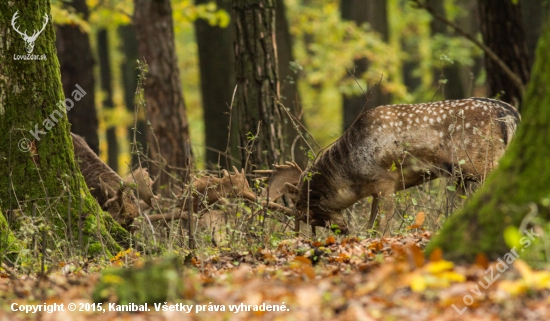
338,279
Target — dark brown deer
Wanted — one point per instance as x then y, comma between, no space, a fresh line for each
105,185
391,148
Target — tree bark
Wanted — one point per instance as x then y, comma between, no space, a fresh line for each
168,136
105,77
532,12
77,63
258,83
520,180
503,32
127,34
37,166
217,72
290,96
373,12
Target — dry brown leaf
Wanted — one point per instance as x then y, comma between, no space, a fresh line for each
436,255
330,240
482,260
419,218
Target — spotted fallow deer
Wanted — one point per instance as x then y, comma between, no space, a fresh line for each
391,148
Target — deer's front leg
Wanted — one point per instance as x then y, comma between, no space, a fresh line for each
382,200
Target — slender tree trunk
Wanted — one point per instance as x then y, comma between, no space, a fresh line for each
520,181
217,71
37,166
76,62
108,104
127,34
290,96
532,12
470,23
375,13
453,87
503,32
168,136
258,83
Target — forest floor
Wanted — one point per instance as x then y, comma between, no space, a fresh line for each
345,279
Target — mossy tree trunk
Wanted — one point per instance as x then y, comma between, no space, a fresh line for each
521,179
40,183
258,83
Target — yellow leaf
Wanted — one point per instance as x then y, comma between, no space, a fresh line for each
452,276
439,266
111,278
533,279
513,287
418,283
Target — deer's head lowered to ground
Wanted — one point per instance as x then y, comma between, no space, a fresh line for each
29,40
394,147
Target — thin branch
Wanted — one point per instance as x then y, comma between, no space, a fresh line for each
516,80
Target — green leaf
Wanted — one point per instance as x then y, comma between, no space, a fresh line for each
512,236
451,188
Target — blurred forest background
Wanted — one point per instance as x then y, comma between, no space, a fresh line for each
329,53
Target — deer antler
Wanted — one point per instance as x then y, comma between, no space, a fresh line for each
230,186
284,179
144,185
29,40
15,16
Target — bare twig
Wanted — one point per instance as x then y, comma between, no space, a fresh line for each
516,80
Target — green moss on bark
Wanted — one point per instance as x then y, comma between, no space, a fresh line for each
521,179
39,171
9,245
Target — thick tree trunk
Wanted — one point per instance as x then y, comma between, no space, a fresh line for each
453,88
373,12
258,83
520,180
168,136
127,34
503,32
76,62
37,166
9,244
217,71
108,104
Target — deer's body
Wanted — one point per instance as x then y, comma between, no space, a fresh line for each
391,148
105,184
